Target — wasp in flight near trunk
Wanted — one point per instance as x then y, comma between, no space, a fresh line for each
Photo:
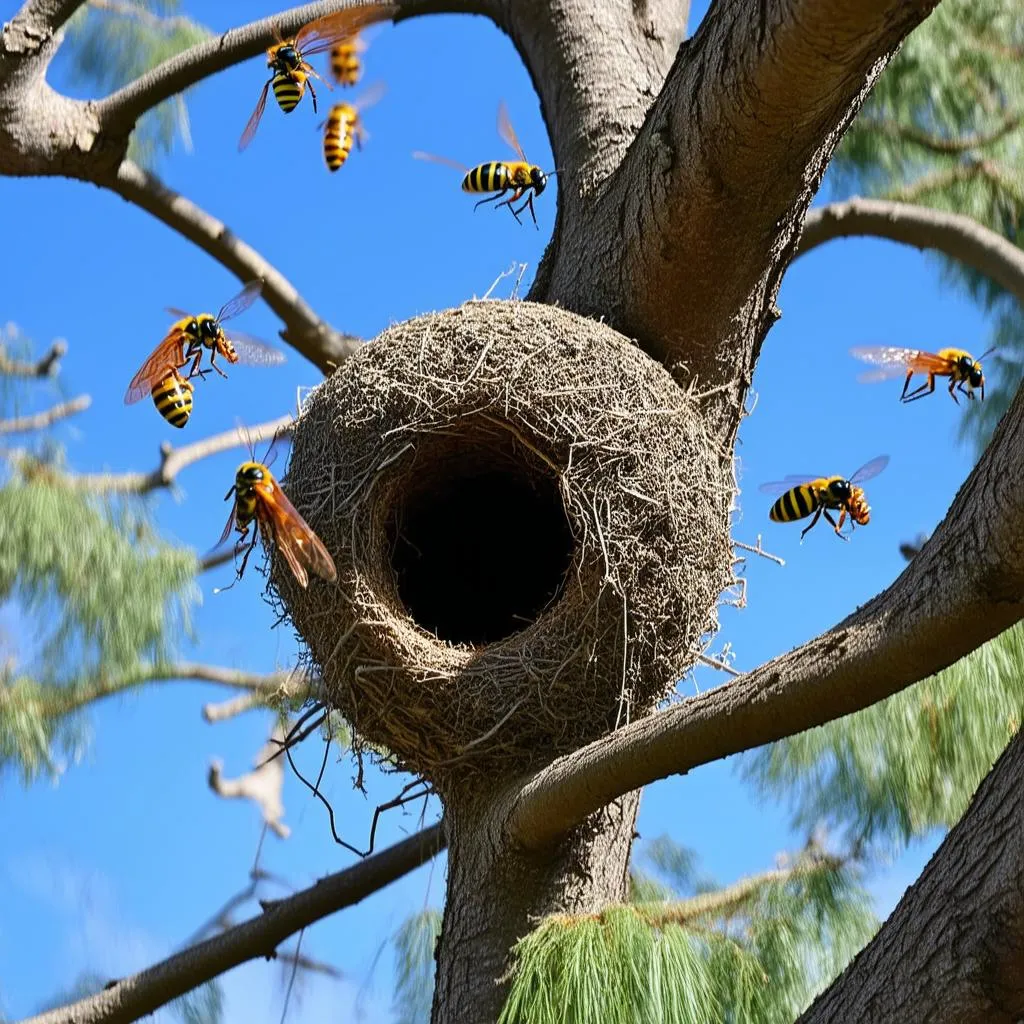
803,494
186,341
519,177
344,126
287,59
958,365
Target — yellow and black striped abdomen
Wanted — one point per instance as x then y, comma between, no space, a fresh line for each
288,89
490,177
345,63
173,400
245,508
796,503
339,130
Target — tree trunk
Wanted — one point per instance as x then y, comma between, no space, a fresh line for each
497,891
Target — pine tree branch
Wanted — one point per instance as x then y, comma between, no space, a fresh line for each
965,587
174,460
46,418
131,998
954,235
952,952
48,366
319,343
946,145
119,111
936,181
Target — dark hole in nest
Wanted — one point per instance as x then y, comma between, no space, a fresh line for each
480,543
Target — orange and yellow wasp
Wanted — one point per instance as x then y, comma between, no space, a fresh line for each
955,363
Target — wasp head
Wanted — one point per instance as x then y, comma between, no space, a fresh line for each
857,506
840,490
538,180
249,473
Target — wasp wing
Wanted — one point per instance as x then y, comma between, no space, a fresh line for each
902,359
241,302
372,95
227,529
870,469
325,32
432,158
299,545
507,132
255,352
254,120
788,483
169,355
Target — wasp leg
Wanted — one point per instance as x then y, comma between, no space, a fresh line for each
514,198
836,527
213,364
195,371
248,550
312,91
817,516
925,389
529,204
491,199
965,391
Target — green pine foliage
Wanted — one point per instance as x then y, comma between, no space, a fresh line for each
414,953
909,764
116,41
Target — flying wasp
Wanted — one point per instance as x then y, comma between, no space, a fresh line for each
173,399
958,365
186,341
519,177
346,59
287,59
258,497
344,126
803,494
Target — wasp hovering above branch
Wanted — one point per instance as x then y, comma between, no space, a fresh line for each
186,340
519,177
344,126
346,59
287,59
258,497
803,494
955,363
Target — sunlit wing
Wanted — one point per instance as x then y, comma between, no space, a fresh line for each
181,314
789,482
372,95
443,160
299,545
254,120
870,469
254,352
227,529
883,373
325,32
906,358
507,132
168,355
241,302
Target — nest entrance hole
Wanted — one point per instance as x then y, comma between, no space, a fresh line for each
480,542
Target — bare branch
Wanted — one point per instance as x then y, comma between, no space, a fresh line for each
965,587
263,785
221,712
36,25
174,460
46,418
319,343
934,961
954,235
48,366
131,998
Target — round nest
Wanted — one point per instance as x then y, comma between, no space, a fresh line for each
530,525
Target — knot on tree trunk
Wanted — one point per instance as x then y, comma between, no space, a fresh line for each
531,529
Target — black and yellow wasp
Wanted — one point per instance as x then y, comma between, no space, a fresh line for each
962,369
802,494
344,126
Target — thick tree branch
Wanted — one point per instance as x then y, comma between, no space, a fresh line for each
36,24
174,460
321,345
953,950
954,235
131,998
965,587
46,418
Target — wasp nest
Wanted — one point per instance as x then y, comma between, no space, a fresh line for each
530,525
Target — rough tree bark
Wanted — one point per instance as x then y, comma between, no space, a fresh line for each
685,172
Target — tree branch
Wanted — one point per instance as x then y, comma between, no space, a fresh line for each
48,366
953,950
46,418
35,25
947,146
954,235
133,997
319,343
174,460
965,587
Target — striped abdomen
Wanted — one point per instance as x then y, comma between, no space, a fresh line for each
493,176
796,503
339,130
288,89
173,400
245,508
345,64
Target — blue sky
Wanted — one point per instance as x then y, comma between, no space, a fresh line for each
130,853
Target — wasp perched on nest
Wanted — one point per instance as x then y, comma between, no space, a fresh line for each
803,494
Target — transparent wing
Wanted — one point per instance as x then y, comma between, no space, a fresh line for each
885,355
181,314
372,95
241,302
255,352
254,119
870,469
789,482
322,34
300,546
883,373
167,356
507,132
227,529
430,157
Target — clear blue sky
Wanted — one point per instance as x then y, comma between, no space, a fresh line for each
130,853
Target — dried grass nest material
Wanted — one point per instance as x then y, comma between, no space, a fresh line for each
542,495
